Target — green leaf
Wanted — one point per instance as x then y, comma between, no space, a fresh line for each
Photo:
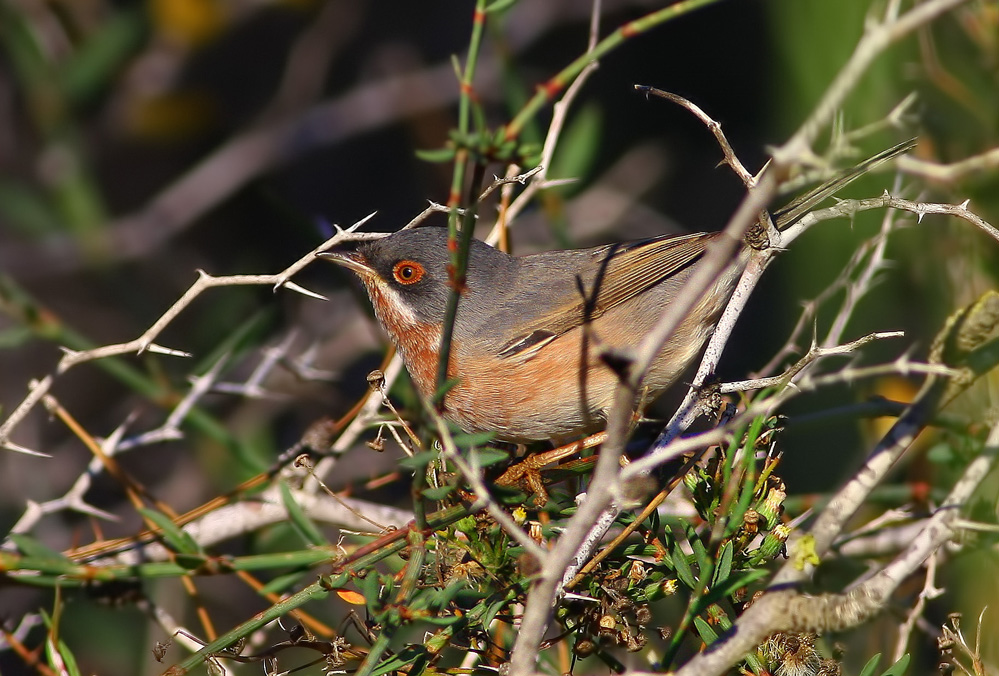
654,521
898,669
281,583
299,521
338,581
443,620
701,555
438,155
370,587
492,611
466,440
31,547
410,655
683,571
754,664
60,653
500,5
93,66
438,493
941,454
22,46
733,583
723,567
871,665
490,456
705,631
15,336
418,462
637,549
466,525
65,657
174,536
189,561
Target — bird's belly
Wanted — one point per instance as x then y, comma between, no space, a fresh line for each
529,404
565,389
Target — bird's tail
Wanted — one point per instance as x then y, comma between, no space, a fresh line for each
790,213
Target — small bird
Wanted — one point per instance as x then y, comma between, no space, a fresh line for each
531,330
525,367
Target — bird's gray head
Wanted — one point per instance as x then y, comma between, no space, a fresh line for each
412,266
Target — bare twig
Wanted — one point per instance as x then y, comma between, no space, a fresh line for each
267,509
74,500
813,355
950,173
252,387
929,592
303,461
145,342
730,158
849,207
877,37
855,280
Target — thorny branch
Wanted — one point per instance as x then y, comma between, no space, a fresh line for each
145,342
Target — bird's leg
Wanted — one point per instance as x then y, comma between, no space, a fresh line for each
526,474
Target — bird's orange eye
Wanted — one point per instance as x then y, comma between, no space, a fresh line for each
407,272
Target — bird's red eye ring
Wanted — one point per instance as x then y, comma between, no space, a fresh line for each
408,272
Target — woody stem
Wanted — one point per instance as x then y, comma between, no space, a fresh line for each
457,274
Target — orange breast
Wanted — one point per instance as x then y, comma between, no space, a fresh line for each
417,342
556,393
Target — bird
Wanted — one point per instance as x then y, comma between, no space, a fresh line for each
527,344
533,333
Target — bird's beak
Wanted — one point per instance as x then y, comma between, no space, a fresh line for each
352,260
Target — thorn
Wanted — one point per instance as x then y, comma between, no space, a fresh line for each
919,216
886,193
116,436
205,380
85,508
965,203
159,349
356,225
17,448
310,353
172,434
292,286
437,206
555,182
522,179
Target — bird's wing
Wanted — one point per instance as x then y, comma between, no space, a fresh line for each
610,276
